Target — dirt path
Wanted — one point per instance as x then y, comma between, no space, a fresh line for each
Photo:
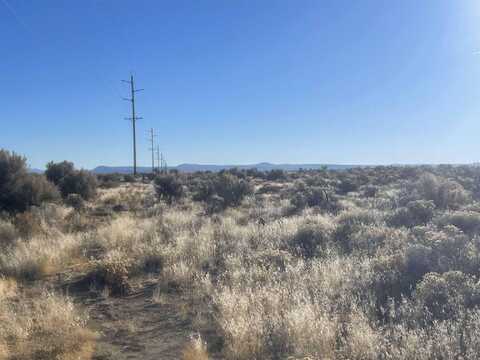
136,326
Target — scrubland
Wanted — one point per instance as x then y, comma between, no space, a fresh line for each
369,263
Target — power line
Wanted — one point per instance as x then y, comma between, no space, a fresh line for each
133,119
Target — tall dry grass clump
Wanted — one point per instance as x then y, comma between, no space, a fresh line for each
46,326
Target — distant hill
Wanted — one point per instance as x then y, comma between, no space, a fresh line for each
120,169
215,168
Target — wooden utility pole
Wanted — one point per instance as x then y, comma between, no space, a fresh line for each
158,158
162,161
133,119
152,148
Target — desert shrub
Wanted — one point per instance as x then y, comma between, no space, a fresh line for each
168,187
12,167
347,185
34,190
311,196
71,181
255,173
350,222
18,189
389,280
298,202
55,172
444,193
109,181
222,191
276,175
153,263
147,177
438,251
129,178
215,204
445,296
311,238
241,174
419,260
421,211
467,221
399,271
80,182
370,238
270,188
28,224
418,212
401,217
75,201
112,271
111,177
371,191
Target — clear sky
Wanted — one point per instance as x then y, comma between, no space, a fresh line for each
287,81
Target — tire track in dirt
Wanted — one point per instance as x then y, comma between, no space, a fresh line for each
134,326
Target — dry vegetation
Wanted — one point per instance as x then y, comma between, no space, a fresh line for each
376,263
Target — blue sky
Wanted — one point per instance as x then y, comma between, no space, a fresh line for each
334,81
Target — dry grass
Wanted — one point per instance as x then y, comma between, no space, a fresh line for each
44,327
196,349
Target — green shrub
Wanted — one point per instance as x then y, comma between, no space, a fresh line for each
109,181
55,172
419,260
34,189
389,280
445,250
276,175
222,190
311,196
351,222
71,181
418,212
311,239
347,185
298,201
168,187
129,178
255,173
371,191
446,296
79,182
75,201
446,194
18,189
467,221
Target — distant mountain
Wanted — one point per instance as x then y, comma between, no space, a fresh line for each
35,171
264,166
120,169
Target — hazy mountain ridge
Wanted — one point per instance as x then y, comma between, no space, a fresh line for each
214,168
